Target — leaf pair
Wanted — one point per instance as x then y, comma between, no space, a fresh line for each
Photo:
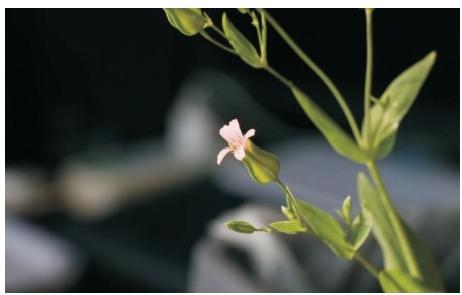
343,243
387,114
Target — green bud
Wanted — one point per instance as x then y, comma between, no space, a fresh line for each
262,166
188,21
242,227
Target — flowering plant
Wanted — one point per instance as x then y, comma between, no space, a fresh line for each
408,265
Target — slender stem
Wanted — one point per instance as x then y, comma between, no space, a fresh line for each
317,70
367,265
396,223
368,78
291,199
216,43
278,76
217,30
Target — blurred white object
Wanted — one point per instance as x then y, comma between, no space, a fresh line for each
36,260
275,265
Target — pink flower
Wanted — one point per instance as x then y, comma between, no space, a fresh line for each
236,140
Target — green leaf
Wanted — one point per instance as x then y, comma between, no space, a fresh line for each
326,228
346,209
336,136
262,166
288,213
384,146
391,251
241,44
394,104
360,229
425,260
381,228
188,21
398,281
288,227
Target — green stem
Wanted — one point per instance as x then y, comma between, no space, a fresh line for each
367,265
368,78
396,223
216,43
291,198
317,70
278,76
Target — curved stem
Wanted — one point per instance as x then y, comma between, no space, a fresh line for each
216,43
367,265
368,78
317,70
396,223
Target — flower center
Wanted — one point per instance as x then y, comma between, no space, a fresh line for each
233,145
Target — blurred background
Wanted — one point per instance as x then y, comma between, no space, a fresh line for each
112,121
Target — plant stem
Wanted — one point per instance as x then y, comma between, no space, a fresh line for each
396,223
368,78
216,43
291,199
317,70
367,265
278,76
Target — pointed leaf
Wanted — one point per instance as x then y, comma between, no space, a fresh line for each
336,136
404,89
394,104
398,281
288,227
346,209
241,44
360,229
326,228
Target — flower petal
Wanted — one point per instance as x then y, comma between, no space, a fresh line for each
239,153
250,133
232,132
222,154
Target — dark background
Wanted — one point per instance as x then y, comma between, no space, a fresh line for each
78,78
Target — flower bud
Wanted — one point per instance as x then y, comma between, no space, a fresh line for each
188,21
242,227
262,166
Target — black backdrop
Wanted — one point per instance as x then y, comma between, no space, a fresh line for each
79,77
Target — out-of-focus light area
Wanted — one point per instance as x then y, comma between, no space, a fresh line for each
112,120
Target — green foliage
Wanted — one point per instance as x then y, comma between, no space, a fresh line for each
188,21
241,44
394,104
394,281
336,136
425,260
288,213
382,228
288,227
326,228
360,229
262,166
346,210
391,250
